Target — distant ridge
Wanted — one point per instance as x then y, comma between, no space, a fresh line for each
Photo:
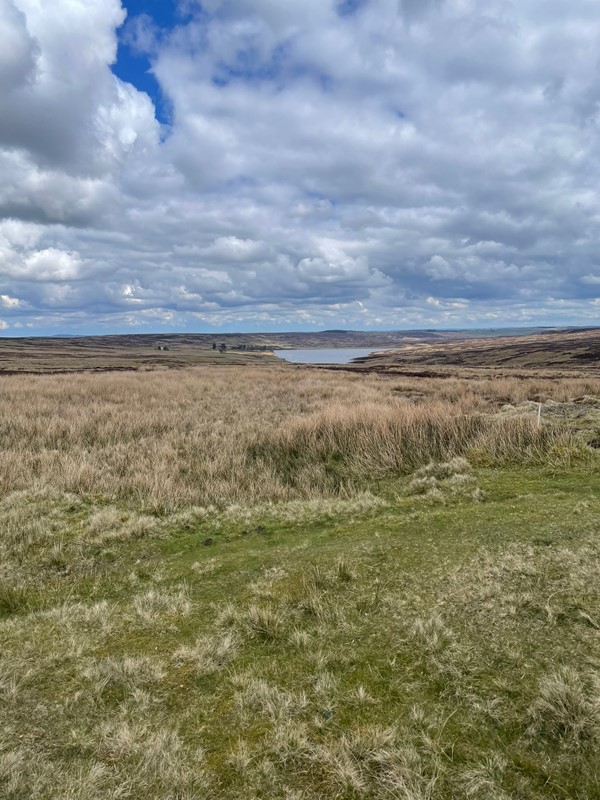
548,349
67,352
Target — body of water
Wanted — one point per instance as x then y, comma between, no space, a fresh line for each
332,355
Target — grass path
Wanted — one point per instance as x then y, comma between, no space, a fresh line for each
403,646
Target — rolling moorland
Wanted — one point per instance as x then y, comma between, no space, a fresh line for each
170,350
275,581
145,351
559,351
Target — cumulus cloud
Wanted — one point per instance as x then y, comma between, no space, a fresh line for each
386,163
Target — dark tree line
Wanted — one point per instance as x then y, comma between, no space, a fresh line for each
248,347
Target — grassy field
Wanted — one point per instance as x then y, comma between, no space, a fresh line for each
268,582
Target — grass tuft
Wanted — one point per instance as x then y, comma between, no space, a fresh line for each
209,654
567,707
13,600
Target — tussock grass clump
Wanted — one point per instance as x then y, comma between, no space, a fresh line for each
152,761
209,653
105,520
121,676
265,622
422,484
13,600
455,467
269,700
110,524
520,440
432,633
452,478
373,760
156,607
11,687
484,782
345,570
568,706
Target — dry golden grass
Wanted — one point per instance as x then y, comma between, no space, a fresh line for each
340,637
211,437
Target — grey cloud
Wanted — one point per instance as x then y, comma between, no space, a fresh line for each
19,52
415,9
414,163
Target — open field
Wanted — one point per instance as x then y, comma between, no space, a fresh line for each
276,582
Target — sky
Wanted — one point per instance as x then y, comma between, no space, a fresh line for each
176,165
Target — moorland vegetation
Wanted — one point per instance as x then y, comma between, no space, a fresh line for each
250,582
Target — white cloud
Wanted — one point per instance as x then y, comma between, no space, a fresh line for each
50,265
233,250
407,163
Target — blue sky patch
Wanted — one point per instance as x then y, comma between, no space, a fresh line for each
135,67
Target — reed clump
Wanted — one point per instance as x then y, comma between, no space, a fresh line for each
340,445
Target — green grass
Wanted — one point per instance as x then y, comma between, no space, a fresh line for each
436,645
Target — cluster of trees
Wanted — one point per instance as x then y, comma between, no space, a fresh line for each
252,347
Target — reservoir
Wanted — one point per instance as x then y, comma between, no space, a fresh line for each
333,355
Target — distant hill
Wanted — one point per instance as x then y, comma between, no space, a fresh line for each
556,349
71,353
